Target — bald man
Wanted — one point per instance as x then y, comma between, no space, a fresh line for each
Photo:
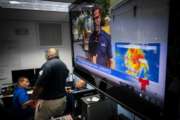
50,87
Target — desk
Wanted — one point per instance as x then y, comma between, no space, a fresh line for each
11,95
88,88
74,99
7,99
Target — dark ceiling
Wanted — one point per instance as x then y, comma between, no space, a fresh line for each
68,1
32,15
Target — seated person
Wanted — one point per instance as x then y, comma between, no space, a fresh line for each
22,104
78,85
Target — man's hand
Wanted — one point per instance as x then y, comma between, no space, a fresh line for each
80,84
68,89
29,103
110,63
36,92
93,58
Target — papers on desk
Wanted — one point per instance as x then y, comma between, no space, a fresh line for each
30,91
93,99
6,96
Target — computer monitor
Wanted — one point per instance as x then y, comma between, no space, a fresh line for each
31,74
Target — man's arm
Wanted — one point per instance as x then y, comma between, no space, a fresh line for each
24,100
93,58
110,61
92,49
41,81
37,90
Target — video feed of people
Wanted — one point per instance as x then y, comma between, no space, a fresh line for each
96,47
91,34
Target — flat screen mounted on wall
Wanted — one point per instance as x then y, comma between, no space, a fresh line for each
125,47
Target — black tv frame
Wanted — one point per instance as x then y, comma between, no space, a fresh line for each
140,107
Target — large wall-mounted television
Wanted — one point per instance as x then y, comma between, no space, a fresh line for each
125,47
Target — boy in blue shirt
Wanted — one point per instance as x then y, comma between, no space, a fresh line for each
21,101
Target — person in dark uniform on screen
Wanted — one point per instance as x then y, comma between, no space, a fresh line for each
50,87
100,50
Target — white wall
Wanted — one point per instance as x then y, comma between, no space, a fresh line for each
24,51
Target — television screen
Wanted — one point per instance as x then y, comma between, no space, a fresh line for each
124,44
31,74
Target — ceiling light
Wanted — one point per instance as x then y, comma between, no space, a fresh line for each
14,2
90,6
37,5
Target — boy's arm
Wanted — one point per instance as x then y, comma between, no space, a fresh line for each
24,99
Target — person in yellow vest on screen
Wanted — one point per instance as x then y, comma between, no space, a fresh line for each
106,26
